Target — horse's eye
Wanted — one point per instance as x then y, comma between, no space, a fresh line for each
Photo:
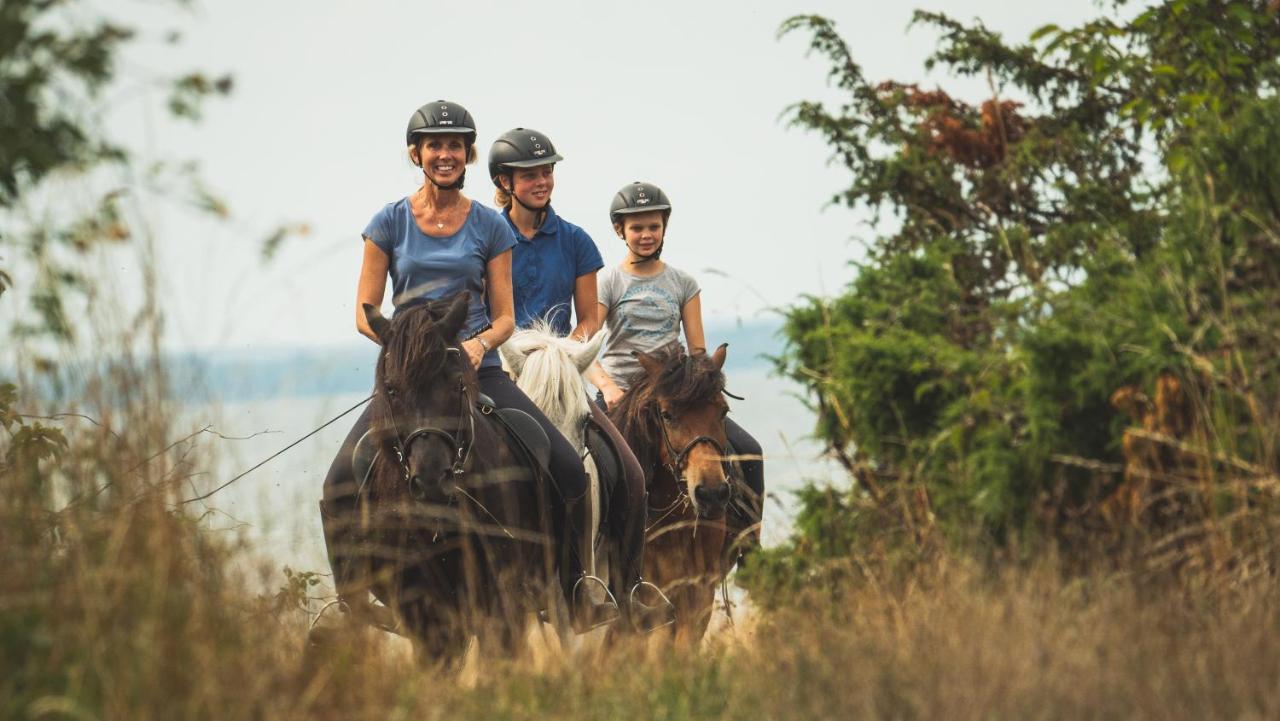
391,392
667,417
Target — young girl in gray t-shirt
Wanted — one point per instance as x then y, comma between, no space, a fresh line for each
645,302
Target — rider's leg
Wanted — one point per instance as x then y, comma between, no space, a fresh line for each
339,517
570,511
747,514
647,607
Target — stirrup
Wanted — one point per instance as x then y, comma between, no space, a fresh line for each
609,607
665,605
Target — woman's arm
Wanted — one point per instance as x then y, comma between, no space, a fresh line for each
691,316
586,306
502,308
372,286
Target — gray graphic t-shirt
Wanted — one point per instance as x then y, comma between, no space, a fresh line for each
643,314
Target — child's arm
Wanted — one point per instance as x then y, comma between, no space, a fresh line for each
596,374
691,317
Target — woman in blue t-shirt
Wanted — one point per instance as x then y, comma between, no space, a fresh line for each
553,267
645,303
433,244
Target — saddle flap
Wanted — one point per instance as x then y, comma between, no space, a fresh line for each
530,436
608,461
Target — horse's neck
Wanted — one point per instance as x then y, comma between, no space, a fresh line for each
565,407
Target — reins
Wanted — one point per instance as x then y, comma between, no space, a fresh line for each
272,457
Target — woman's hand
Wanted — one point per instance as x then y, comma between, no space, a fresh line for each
474,351
612,394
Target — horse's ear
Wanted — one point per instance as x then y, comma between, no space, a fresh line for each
651,365
378,324
718,356
456,316
587,352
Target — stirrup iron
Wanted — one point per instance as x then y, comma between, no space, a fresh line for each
610,602
664,605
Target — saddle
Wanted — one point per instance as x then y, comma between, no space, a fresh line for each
529,440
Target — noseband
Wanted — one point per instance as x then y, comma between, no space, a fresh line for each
680,460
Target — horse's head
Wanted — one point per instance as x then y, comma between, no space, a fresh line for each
424,394
549,368
681,400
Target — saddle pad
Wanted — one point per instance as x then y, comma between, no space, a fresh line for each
528,435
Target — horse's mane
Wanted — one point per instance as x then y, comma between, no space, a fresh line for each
549,376
416,350
686,380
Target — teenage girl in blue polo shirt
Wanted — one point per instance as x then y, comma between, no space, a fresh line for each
645,302
432,244
553,268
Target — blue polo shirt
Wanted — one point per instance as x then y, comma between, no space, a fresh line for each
424,267
544,268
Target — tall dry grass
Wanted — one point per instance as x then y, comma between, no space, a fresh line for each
122,605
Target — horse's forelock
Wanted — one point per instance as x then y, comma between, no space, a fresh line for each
415,351
690,380
685,381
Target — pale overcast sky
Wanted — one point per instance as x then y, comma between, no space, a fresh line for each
687,95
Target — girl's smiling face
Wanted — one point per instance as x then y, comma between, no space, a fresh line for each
533,186
642,232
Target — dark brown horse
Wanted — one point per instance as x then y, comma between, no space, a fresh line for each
673,419
453,520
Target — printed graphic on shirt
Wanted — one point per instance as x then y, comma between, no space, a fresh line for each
648,311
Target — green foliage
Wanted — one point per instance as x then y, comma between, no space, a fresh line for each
1108,215
54,68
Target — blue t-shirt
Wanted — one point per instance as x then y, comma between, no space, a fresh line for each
425,267
544,268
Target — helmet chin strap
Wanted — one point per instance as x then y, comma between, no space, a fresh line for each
540,214
655,255
451,186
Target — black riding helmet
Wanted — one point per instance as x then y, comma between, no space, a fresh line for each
520,148
640,197
442,117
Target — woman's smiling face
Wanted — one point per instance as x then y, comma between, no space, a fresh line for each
443,157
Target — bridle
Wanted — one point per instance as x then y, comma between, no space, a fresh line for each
460,443
677,464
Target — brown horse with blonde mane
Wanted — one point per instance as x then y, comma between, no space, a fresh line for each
673,419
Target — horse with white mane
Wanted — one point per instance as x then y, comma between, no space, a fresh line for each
549,369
